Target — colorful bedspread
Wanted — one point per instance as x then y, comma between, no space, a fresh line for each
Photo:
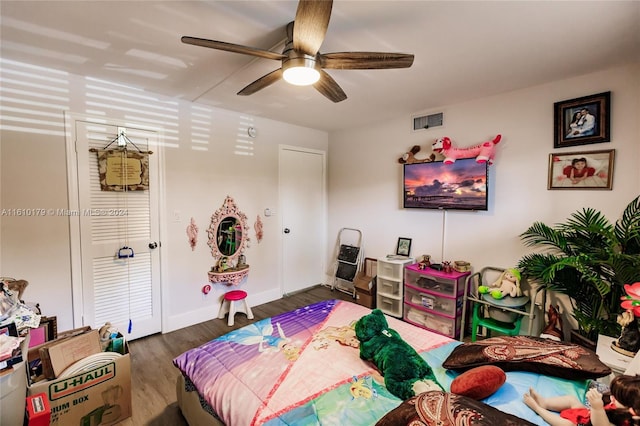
303,367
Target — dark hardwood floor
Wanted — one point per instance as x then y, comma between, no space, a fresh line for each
153,375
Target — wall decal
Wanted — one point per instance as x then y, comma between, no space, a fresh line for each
192,233
258,228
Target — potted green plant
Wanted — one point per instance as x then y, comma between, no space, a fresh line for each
589,259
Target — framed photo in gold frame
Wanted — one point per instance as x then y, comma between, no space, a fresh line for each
581,170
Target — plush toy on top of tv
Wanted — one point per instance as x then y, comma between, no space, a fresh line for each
508,284
409,157
405,372
483,152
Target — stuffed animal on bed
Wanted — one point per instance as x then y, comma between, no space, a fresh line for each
405,372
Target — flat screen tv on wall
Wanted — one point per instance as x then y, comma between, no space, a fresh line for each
462,185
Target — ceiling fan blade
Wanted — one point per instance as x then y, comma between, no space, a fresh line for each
262,82
365,60
329,88
230,47
311,23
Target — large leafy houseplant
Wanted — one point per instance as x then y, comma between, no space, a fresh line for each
589,259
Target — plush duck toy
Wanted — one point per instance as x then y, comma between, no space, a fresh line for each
507,285
405,372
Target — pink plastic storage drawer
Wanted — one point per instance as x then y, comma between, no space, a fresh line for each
443,325
437,303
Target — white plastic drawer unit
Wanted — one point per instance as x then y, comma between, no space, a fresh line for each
435,302
390,306
390,270
444,286
389,287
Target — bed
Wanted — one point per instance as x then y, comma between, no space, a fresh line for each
303,367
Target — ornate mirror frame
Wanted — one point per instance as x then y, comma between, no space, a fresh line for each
228,209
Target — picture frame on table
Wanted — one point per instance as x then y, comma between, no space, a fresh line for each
582,121
581,170
404,247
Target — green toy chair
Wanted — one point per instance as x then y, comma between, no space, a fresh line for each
503,315
510,326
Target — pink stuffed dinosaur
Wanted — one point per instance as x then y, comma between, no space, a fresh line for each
483,152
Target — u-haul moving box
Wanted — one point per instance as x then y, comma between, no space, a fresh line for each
99,396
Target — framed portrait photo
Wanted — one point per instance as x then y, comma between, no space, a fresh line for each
404,247
582,121
581,170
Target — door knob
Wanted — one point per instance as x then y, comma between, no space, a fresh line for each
153,245
287,230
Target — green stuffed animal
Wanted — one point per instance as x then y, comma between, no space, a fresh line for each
405,372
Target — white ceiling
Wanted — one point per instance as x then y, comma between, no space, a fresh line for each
463,49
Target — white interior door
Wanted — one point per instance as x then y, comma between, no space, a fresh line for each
119,285
303,206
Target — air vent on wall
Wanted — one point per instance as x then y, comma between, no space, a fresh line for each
427,121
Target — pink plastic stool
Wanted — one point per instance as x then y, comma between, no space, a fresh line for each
230,303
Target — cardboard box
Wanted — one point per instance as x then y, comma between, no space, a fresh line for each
59,355
365,290
36,373
101,395
72,333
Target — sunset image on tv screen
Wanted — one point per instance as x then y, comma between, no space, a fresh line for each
458,186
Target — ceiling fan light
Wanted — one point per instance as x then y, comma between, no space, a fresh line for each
301,76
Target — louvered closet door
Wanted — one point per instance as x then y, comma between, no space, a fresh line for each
118,290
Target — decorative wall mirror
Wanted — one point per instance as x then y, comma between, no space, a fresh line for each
228,233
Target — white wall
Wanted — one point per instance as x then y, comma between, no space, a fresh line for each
201,168
365,178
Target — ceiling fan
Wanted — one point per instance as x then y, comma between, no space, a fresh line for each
302,63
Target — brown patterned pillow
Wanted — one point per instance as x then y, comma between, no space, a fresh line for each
526,353
437,408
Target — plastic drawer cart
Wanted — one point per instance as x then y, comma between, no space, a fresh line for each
433,299
390,283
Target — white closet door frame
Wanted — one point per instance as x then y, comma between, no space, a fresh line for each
70,119
319,257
